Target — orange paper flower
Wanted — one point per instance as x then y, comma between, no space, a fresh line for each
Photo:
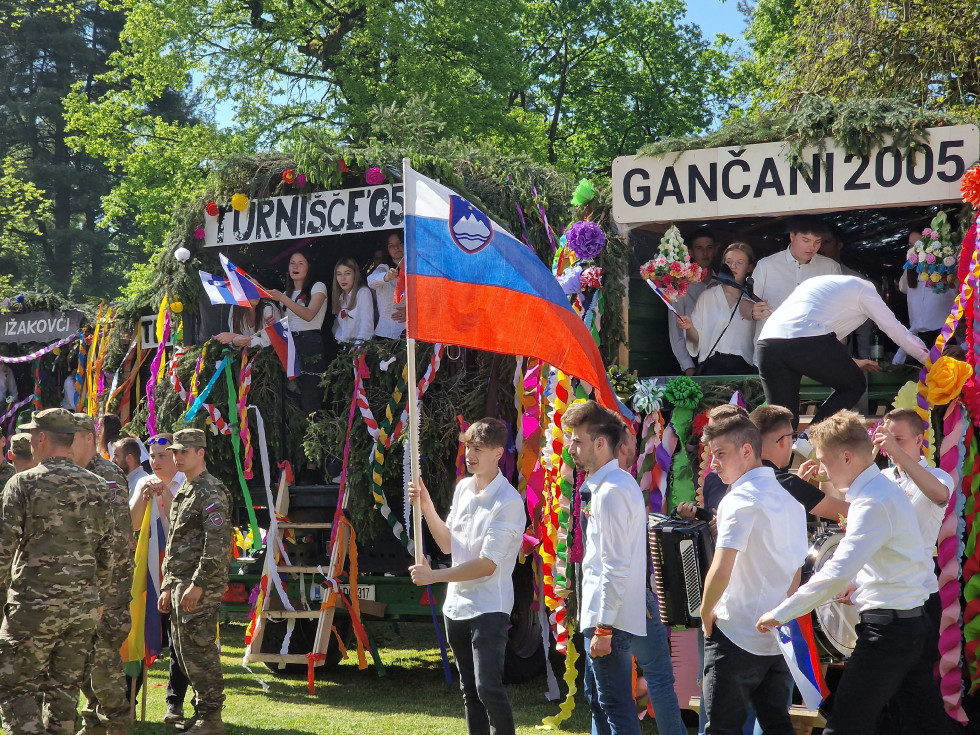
970,187
945,380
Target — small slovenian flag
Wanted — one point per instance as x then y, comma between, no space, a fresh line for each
282,341
242,287
799,648
217,289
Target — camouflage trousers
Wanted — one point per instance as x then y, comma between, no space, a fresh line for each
195,641
104,685
43,650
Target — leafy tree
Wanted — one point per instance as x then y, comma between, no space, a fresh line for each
607,76
921,51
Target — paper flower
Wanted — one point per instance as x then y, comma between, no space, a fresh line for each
212,209
571,280
182,254
586,239
374,176
683,392
289,176
648,396
592,277
198,233
671,270
300,180
342,165
584,193
622,381
945,380
239,202
934,256
970,187
176,307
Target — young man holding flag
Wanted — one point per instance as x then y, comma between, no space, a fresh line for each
884,553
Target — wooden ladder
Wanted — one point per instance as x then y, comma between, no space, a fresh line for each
325,615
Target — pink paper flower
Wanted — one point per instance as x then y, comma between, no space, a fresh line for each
300,180
374,176
199,233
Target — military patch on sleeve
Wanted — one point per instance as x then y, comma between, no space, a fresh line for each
210,508
216,518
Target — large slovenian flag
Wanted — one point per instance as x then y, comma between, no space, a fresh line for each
242,287
217,289
145,638
799,648
472,283
282,341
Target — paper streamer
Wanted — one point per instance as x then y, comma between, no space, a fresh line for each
199,401
216,420
236,447
568,705
244,386
950,636
41,352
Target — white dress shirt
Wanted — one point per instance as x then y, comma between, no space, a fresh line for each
355,320
776,275
270,315
882,552
488,524
928,310
134,477
298,324
384,292
710,317
173,486
838,304
767,527
929,514
615,563
8,384
678,337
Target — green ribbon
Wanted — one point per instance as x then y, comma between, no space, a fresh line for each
236,446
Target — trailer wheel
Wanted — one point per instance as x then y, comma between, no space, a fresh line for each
524,656
304,636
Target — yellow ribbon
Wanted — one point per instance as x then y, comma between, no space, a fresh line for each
568,705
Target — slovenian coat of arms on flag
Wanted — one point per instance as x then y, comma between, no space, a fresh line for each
471,283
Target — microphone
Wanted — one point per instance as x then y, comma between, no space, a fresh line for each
727,278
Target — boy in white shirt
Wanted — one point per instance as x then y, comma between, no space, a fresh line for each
760,548
884,553
483,532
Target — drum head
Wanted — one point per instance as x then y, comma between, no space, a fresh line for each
834,622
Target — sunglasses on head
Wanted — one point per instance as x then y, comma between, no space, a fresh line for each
161,440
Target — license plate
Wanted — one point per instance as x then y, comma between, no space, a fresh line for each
364,592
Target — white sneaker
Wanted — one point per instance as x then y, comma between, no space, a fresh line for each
802,446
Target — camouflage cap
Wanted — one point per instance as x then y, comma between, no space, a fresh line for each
20,446
189,439
84,422
55,420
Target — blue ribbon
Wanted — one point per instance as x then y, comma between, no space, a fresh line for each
199,401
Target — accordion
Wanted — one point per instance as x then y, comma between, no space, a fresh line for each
681,551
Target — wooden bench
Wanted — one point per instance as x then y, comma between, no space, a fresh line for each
804,720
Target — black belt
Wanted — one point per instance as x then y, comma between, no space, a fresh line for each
883,616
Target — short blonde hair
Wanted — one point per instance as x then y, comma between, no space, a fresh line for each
843,430
909,416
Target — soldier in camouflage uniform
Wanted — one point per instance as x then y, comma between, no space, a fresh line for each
6,469
195,576
56,560
20,453
104,687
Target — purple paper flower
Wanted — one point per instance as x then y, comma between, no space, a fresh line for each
300,180
586,239
199,233
930,258
374,176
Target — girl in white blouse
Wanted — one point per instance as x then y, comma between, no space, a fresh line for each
718,334
248,324
306,306
383,281
352,304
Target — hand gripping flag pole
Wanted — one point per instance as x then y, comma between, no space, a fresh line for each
413,415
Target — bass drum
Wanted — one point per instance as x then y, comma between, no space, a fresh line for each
833,622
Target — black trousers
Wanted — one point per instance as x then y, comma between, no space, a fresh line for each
887,662
783,363
478,646
735,679
722,363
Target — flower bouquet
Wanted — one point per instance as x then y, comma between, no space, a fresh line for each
672,271
934,257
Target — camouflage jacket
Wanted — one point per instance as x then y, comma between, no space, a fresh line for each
199,543
124,540
56,535
6,472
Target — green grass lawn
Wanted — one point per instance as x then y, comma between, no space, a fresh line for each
411,699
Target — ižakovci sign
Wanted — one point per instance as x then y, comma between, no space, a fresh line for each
39,326
740,181
308,215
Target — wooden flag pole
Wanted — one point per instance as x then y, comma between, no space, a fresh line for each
413,402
